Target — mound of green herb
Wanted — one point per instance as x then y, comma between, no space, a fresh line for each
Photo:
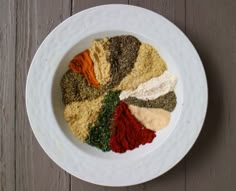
75,87
100,133
166,102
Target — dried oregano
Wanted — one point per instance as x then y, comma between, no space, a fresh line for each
123,53
76,88
166,102
100,133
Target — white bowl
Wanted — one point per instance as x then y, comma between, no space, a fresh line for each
45,107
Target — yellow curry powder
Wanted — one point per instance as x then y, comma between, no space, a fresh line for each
80,114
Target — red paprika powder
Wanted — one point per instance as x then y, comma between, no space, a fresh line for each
127,132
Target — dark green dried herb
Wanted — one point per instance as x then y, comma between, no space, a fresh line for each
100,133
123,53
76,88
166,102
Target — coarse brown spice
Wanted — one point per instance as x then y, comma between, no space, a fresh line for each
123,53
166,102
76,88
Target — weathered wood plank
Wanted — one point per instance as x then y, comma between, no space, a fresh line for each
171,180
211,165
7,95
34,170
79,5
174,10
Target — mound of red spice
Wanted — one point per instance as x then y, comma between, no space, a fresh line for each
127,132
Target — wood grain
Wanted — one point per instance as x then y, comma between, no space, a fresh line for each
174,10
210,25
7,95
79,5
34,170
211,165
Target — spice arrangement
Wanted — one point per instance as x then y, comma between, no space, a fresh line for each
118,94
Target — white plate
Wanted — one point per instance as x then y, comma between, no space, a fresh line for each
45,107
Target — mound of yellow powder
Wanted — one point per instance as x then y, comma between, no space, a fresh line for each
80,114
152,118
148,64
99,53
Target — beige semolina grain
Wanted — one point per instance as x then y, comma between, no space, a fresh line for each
148,64
152,118
99,53
80,114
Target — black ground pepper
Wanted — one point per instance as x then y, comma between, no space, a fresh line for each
76,88
123,53
166,102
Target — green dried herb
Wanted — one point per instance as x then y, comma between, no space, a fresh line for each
99,133
76,88
166,102
123,53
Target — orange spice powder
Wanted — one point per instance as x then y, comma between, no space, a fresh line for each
83,64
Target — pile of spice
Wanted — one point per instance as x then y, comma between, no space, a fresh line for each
99,54
83,64
127,132
122,56
148,64
76,88
118,94
100,133
166,102
82,114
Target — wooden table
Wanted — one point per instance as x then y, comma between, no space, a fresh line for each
211,163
